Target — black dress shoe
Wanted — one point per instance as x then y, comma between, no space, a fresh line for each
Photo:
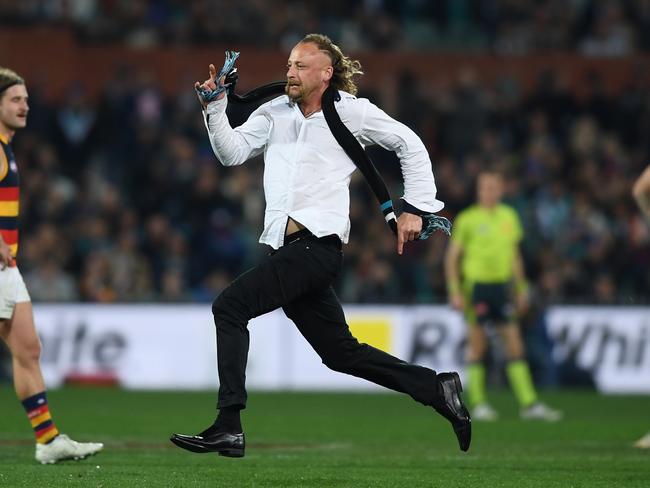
223,443
451,407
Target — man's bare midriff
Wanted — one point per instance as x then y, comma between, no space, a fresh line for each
293,226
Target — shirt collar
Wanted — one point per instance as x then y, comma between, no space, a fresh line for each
4,139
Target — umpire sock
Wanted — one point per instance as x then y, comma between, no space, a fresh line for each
476,386
521,382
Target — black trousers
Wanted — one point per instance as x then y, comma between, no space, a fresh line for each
298,277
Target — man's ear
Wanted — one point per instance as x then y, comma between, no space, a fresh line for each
328,73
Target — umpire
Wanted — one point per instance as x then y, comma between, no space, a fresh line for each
484,251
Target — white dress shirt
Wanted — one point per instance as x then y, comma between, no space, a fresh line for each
306,172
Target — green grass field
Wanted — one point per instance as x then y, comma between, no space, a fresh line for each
338,440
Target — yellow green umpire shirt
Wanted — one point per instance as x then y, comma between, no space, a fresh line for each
489,239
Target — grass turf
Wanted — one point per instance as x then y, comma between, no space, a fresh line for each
338,440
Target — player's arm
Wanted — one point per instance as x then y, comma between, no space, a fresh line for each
452,274
521,285
641,192
5,250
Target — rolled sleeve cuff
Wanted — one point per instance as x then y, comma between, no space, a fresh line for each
215,108
412,209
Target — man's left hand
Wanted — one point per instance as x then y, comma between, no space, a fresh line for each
408,229
522,300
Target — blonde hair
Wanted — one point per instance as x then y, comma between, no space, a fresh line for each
9,78
344,67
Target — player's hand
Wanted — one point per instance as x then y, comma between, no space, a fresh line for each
210,85
5,255
457,302
408,229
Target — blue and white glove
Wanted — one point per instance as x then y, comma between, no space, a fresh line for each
432,223
228,71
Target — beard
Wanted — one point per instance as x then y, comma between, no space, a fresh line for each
292,96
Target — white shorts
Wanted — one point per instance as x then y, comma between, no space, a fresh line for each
12,291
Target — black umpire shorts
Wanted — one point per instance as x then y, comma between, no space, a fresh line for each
491,303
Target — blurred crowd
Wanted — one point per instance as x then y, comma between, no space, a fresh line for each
123,200
599,28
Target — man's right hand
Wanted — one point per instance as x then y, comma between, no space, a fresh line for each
5,255
210,85
457,302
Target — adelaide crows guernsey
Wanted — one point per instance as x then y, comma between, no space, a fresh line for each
9,196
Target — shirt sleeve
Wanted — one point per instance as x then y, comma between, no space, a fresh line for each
235,146
379,128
